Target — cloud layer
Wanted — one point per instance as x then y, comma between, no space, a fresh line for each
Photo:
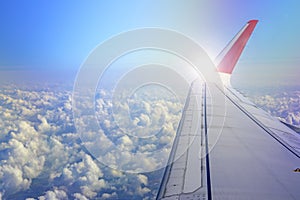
42,157
282,104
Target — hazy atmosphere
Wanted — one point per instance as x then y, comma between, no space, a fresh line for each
43,45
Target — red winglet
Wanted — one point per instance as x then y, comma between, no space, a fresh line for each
231,53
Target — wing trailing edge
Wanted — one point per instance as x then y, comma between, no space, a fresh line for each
228,58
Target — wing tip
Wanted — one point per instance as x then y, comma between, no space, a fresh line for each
235,48
253,21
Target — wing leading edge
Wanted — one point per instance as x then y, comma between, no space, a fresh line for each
255,156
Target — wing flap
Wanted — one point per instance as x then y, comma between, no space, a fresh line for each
184,174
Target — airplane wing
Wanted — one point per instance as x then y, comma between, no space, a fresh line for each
252,155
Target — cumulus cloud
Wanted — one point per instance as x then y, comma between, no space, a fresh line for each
79,196
56,194
132,129
86,175
143,179
27,137
39,144
284,105
25,158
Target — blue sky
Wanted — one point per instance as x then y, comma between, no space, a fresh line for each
60,34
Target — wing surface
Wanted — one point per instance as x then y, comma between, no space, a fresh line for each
244,153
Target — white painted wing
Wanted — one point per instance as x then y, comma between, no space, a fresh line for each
244,153
254,157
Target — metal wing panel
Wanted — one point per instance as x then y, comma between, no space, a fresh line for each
184,176
285,135
249,155
246,162
249,163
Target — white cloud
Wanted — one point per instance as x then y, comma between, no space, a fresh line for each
143,179
79,196
56,194
39,139
26,159
85,174
144,120
285,105
12,179
107,195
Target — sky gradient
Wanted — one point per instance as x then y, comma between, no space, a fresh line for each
46,43
47,35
